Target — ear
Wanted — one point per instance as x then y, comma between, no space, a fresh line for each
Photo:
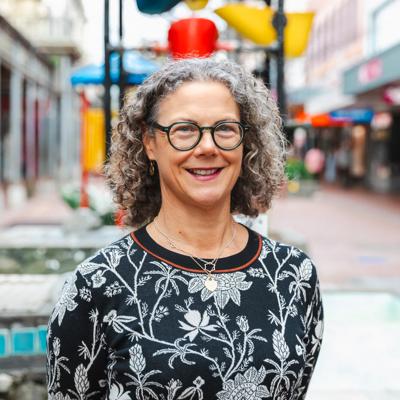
149,145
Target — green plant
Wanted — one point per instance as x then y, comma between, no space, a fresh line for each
100,202
71,197
296,170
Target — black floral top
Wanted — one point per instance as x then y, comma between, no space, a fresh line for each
135,321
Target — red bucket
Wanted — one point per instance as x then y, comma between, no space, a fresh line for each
192,37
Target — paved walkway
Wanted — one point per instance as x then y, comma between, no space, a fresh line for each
360,354
353,236
46,207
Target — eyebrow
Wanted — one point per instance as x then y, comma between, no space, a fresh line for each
197,123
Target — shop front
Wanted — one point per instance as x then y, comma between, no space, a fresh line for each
375,84
342,136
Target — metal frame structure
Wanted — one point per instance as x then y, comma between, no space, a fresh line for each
279,23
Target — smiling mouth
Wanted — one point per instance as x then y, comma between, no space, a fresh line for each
204,171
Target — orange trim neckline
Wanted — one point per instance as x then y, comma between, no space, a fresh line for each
133,236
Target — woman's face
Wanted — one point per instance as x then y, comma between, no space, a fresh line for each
182,173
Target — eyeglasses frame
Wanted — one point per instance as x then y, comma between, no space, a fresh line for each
167,129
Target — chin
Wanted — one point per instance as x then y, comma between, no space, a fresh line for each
209,200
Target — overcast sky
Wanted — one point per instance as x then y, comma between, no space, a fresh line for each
140,27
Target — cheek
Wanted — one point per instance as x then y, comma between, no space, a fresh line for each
237,159
240,163
170,163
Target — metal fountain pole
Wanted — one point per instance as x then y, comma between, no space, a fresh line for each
266,75
107,77
279,23
121,81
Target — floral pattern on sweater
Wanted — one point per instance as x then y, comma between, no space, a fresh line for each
129,325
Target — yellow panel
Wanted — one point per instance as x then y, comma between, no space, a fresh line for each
196,4
251,22
256,24
94,140
297,33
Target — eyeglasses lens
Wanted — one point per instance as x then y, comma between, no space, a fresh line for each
184,136
226,135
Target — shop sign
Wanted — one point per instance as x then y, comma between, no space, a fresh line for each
355,115
380,70
370,71
392,95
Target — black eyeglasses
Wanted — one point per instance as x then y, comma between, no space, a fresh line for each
185,136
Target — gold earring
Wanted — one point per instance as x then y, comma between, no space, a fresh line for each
151,168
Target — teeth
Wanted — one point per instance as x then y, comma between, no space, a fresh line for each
204,171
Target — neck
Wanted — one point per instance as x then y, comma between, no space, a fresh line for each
202,233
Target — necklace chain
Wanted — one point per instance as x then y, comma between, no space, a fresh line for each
213,263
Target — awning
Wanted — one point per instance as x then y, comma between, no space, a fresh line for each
137,69
327,100
374,72
327,121
340,118
303,94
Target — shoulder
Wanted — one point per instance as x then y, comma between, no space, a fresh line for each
286,259
111,256
96,270
280,251
93,280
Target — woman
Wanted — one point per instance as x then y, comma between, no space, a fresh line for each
191,305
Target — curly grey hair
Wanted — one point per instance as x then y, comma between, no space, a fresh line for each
137,193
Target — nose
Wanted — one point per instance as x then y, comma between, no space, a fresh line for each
206,144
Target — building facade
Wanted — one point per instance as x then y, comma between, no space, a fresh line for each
374,82
351,87
39,131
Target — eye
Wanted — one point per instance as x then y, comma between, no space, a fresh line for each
184,128
228,128
224,127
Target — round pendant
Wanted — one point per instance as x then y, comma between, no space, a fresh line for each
211,284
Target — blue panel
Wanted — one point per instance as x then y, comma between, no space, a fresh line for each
42,332
355,115
23,341
3,343
137,69
156,6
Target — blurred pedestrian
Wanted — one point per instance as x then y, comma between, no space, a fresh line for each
344,162
330,166
191,304
315,161
357,167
